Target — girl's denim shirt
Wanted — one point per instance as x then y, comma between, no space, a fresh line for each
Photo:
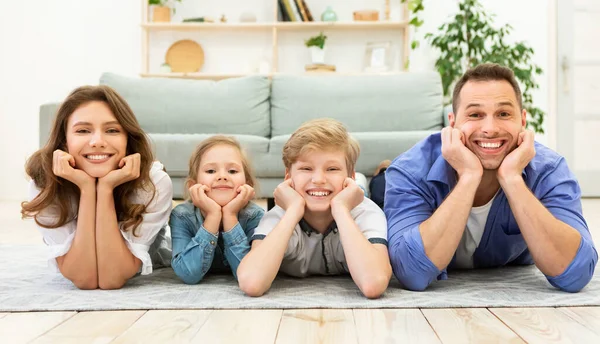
196,250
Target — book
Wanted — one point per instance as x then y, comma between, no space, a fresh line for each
308,14
301,9
289,10
284,14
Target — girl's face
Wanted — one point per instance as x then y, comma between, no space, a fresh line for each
95,139
221,169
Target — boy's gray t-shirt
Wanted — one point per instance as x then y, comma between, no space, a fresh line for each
311,253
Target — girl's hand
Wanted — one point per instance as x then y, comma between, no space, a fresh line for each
63,165
129,169
245,194
201,201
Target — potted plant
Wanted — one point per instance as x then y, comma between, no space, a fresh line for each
316,45
161,11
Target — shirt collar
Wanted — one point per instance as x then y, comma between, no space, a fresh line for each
308,229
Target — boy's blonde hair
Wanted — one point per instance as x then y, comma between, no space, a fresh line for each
321,134
214,141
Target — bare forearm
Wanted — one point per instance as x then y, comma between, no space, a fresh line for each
79,264
552,243
116,263
259,267
441,233
369,265
229,221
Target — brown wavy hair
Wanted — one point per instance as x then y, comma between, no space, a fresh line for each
57,192
209,143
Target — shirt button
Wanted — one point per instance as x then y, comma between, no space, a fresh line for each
212,242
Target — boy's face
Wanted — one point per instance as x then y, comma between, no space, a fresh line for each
318,176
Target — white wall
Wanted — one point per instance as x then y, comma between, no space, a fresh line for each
47,48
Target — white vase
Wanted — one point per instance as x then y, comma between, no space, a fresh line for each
317,55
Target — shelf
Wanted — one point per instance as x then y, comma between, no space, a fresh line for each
213,76
358,25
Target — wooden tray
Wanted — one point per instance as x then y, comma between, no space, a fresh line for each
185,56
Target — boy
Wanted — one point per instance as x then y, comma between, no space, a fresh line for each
322,223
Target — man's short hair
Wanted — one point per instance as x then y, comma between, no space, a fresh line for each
323,134
486,72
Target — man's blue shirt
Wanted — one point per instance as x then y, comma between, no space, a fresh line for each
418,181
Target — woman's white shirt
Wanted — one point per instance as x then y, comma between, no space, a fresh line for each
59,240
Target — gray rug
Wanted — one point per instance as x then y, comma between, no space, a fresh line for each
26,284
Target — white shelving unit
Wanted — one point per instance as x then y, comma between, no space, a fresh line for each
277,29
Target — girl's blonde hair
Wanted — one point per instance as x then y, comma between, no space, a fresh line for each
58,192
321,134
209,143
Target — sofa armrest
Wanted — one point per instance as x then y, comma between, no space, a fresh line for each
445,111
47,115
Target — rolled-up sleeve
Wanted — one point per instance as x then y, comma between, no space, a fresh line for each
407,206
561,195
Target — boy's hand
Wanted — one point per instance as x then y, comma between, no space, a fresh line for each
245,194
350,196
201,201
63,165
287,198
129,169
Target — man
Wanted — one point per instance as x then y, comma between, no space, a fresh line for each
482,193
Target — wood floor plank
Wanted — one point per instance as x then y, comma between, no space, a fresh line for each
317,326
2,315
587,316
163,326
393,326
24,327
91,327
545,325
240,326
469,325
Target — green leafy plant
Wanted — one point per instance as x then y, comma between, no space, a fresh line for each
316,41
469,39
162,2
414,7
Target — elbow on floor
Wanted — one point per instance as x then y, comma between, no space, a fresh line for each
375,287
251,287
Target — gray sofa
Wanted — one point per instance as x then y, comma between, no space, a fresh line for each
387,114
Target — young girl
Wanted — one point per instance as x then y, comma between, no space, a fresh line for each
211,229
101,203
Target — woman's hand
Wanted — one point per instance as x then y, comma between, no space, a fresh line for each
63,166
129,169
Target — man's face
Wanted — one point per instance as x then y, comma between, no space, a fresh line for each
490,118
318,176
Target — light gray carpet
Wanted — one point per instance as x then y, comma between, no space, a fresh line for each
26,284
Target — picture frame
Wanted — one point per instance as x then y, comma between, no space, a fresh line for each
378,57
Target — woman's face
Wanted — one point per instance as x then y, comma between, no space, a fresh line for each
95,139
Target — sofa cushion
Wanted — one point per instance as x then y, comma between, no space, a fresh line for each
374,147
235,106
175,150
370,103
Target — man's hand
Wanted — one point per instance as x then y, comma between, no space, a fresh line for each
347,199
287,198
201,201
63,165
513,164
245,194
458,155
129,169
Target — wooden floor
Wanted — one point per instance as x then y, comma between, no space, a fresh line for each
457,325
